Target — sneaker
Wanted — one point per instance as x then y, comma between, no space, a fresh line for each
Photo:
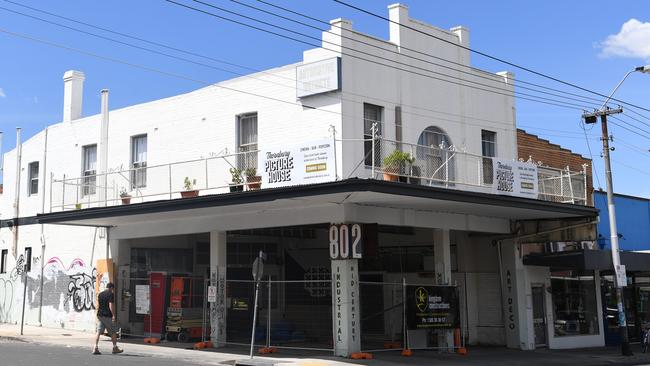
96,351
117,350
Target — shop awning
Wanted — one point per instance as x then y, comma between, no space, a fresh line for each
351,200
587,259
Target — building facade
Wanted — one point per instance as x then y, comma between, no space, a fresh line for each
166,195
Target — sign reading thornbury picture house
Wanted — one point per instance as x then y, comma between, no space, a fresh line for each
432,307
515,178
306,163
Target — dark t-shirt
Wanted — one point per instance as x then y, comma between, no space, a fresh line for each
103,299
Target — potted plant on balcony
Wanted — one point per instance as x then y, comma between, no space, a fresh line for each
395,164
125,196
189,191
253,181
237,181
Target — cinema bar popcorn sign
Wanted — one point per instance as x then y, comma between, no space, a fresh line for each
306,163
515,178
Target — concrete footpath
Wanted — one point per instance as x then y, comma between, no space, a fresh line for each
226,356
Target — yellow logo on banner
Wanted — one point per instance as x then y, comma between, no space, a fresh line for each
421,298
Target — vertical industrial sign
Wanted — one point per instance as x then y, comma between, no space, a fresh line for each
345,251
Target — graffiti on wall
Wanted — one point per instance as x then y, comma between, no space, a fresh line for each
81,290
19,268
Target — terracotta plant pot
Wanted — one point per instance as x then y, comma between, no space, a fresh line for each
254,182
126,200
188,194
391,177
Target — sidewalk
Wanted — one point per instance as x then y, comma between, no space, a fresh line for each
226,356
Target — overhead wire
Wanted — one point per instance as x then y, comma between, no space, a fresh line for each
462,117
509,93
475,72
498,59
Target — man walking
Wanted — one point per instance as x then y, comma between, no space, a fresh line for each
106,317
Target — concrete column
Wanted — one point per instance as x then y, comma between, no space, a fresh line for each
73,82
346,322
516,304
442,258
218,278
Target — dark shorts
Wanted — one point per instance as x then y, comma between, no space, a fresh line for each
106,323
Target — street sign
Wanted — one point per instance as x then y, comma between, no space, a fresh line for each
258,267
212,293
621,275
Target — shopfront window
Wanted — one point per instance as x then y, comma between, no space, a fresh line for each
575,310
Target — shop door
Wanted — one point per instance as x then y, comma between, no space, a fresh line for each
539,315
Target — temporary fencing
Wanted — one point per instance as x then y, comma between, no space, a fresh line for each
401,315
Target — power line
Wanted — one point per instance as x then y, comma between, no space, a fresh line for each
252,77
475,72
489,56
529,97
462,116
636,119
628,129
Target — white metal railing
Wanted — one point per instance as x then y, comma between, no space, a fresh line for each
440,166
209,175
448,167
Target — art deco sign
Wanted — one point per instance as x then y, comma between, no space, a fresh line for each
318,77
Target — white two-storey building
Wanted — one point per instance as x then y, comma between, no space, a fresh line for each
351,255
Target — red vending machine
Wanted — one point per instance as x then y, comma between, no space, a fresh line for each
154,323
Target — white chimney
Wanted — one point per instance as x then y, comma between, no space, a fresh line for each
73,89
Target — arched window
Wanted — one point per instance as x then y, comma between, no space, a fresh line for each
434,157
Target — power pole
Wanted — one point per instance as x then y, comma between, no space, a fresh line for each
620,276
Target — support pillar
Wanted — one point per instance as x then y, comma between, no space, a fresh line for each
442,258
218,278
516,303
345,307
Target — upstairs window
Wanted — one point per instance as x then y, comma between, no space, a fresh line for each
139,161
28,259
247,141
89,170
372,119
489,151
33,178
3,261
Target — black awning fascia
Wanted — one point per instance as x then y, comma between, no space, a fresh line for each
599,260
348,185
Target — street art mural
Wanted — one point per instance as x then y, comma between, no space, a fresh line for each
68,293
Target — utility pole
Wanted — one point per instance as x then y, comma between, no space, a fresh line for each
616,259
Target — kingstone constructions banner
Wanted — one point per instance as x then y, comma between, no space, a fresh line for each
307,163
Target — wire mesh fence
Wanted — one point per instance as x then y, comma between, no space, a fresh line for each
175,308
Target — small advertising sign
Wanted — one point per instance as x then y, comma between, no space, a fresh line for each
621,275
306,163
212,293
430,307
515,178
142,299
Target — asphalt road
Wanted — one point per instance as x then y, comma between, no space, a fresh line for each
18,353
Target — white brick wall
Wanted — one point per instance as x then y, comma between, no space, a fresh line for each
200,123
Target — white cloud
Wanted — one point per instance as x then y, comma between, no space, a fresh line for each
2,93
633,41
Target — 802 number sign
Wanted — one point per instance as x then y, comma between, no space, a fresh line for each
345,241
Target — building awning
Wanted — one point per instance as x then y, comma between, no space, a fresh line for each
588,259
353,200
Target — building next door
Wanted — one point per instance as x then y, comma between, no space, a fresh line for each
539,314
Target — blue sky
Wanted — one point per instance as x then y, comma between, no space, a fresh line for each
592,44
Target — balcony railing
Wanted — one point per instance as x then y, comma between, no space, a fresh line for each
437,166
